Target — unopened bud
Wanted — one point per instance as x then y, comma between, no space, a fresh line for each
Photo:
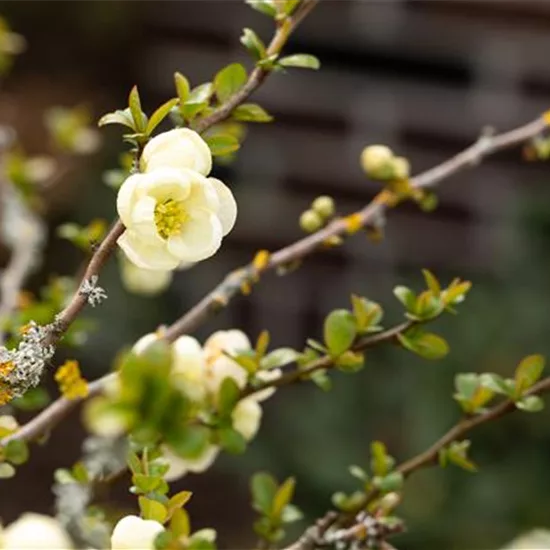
376,161
401,168
310,221
324,206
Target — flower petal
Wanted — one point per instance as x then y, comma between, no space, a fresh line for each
189,367
246,418
145,255
133,532
126,197
178,148
203,193
227,212
166,183
200,238
143,221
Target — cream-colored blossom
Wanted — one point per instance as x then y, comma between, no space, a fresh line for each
180,466
35,532
146,282
178,148
135,533
246,417
173,216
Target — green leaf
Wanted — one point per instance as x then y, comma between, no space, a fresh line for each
432,282
367,314
252,42
190,441
232,441
222,144
279,358
528,372
283,496
134,103
251,112
134,463
118,117
263,6
391,482
425,344
17,452
182,87
358,472
228,396
263,488
530,403
381,461
300,60
467,384
496,383
197,101
291,513
152,509
350,361
262,343
321,379
159,115
406,296
180,524
146,483
457,454
340,331
229,81
179,500
290,6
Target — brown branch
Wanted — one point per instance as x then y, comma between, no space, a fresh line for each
258,75
430,457
231,285
222,294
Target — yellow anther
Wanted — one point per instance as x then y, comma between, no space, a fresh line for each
169,217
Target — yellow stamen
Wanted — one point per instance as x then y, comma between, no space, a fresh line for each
169,217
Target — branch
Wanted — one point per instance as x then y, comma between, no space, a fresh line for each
232,284
325,362
222,294
427,458
258,75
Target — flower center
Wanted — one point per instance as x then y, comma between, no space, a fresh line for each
169,217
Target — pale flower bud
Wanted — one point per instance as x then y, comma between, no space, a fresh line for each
401,168
180,148
310,221
147,282
376,161
133,532
246,417
35,532
324,206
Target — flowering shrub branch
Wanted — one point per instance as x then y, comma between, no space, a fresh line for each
175,403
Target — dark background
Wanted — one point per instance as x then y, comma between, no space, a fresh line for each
423,77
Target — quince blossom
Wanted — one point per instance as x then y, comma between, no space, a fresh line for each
172,212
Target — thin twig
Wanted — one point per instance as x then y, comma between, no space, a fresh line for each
430,456
232,284
327,361
258,75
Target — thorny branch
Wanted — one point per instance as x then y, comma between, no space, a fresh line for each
222,294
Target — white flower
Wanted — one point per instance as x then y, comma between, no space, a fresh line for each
246,417
134,533
173,216
219,366
179,148
189,368
36,532
147,282
180,466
